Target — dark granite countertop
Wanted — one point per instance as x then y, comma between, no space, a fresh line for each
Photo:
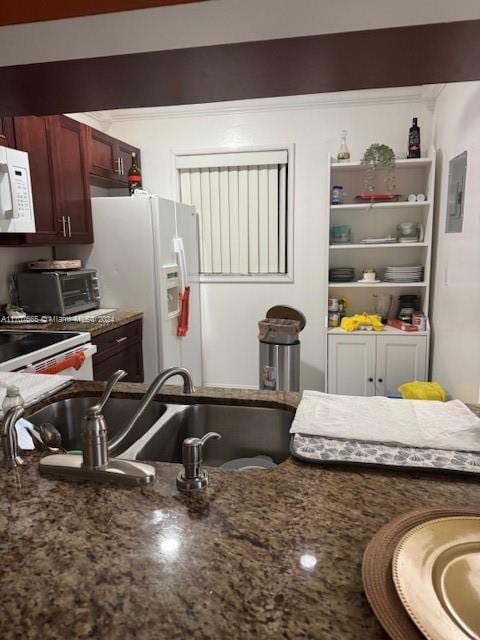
268,554
95,327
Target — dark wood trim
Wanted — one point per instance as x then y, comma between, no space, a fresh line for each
7,133
434,53
35,11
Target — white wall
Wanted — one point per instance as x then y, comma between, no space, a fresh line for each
215,22
231,311
456,292
13,259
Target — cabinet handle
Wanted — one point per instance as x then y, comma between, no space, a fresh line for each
122,339
380,380
117,166
370,380
122,165
63,226
4,137
69,227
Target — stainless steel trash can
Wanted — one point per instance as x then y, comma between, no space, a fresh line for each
279,349
280,366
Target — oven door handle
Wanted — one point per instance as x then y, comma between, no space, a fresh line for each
56,364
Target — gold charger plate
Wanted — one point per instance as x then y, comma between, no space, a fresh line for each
436,572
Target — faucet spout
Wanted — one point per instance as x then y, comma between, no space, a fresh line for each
152,390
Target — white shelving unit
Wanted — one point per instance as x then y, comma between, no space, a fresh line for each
378,220
371,245
361,206
399,164
376,285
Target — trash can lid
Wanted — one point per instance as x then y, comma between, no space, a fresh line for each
283,312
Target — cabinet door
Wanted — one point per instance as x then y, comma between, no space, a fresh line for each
351,365
130,359
103,155
125,154
32,136
119,348
399,359
7,136
72,189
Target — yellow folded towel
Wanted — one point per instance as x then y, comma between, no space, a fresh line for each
417,390
351,323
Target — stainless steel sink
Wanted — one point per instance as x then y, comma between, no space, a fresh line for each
67,415
245,431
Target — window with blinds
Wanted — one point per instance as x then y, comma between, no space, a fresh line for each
242,202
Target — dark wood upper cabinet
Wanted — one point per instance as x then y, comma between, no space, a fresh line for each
103,157
65,157
33,136
72,189
57,154
7,134
109,159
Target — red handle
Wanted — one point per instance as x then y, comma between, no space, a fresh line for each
76,360
182,326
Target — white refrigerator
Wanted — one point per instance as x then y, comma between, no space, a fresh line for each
134,252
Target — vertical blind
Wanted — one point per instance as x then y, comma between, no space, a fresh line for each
242,202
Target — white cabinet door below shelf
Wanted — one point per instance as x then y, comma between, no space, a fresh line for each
399,360
351,365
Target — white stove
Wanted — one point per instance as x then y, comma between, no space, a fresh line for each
47,351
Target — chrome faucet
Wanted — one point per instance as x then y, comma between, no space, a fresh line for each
9,437
94,427
94,463
152,390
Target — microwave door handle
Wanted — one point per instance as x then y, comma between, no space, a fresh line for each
16,212
10,184
4,211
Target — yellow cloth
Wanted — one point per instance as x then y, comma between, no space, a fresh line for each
417,390
351,323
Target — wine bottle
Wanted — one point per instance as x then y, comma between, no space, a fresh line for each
414,140
134,175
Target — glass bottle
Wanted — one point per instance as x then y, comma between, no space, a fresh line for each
134,175
414,140
343,152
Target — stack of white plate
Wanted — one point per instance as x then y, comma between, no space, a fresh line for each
403,274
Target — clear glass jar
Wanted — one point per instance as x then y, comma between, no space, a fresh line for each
343,153
337,194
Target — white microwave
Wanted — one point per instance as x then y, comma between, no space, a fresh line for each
16,203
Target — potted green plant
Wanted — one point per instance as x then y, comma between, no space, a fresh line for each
379,156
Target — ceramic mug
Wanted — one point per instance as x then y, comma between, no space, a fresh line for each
369,275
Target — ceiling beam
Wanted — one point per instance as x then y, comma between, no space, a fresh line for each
398,57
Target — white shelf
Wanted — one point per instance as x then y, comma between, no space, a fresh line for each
404,163
386,331
381,245
397,285
378,205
